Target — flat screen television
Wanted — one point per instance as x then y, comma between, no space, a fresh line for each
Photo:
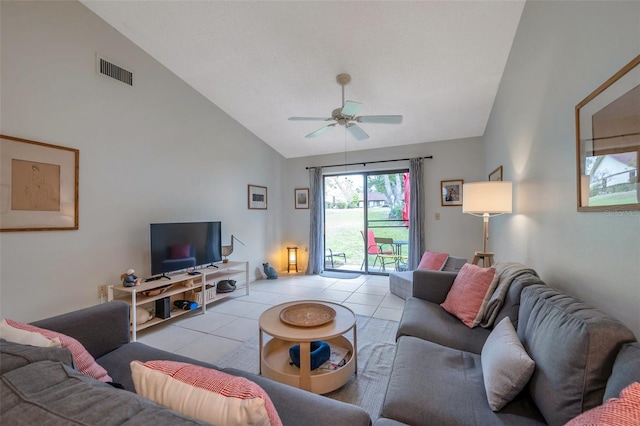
178,246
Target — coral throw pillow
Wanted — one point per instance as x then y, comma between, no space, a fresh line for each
433,261
180,251
470,293
623,411
83,359
204,393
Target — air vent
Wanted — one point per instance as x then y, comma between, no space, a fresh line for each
111,70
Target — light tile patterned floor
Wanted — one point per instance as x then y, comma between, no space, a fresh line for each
234,320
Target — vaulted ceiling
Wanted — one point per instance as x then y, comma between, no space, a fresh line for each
436,63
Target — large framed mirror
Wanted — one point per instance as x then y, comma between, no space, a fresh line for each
608,143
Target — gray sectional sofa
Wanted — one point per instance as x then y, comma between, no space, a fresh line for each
39,386
401,283
582,357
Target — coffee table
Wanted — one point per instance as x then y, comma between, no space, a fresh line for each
274,354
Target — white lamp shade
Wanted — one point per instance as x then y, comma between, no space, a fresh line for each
487,197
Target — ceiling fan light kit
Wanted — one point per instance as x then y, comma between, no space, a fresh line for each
346,116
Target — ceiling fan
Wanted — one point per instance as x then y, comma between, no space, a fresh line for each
346,116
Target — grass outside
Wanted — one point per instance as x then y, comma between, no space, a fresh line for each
342,233
613,199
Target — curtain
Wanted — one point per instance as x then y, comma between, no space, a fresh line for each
316,252
416,216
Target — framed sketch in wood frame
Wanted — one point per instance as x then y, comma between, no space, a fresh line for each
301,198
608,144
38,186
257,197
496,175
451,192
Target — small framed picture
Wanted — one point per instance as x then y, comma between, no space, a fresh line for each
496,174
257,197
301,198
451,192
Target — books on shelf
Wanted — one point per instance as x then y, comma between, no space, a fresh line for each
338,358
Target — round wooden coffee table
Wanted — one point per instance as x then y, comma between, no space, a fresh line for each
274,355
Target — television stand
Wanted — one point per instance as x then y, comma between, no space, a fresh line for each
195,288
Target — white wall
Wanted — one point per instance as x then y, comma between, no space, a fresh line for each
154,152
456,233
562,52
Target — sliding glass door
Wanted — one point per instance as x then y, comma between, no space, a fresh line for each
366,221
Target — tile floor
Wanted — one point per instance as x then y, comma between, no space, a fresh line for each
234,320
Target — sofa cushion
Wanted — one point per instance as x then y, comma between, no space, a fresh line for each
428,321
117,362
469,293
50,393
433,384
506,367
15,355
574,346
401,284
626,370
203,393
300,408
83,359
624,410
433,261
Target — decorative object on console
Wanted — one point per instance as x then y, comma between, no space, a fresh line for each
608,144
292,256
269,271
486,199
129,279
43,182
226,286
301,198
451,192
227,250
257,197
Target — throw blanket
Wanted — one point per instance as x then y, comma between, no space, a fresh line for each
507,272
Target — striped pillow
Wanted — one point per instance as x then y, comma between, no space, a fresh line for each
204,393
622,411
83,359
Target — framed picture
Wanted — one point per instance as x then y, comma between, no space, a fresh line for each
257,197
496,174
38,186
608,144
301,198
451,192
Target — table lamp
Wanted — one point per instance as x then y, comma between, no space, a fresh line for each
486,199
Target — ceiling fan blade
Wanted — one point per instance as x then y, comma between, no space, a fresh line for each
350,108
309,119
320,131
357,132
385,119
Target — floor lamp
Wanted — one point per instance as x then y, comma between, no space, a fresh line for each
486,199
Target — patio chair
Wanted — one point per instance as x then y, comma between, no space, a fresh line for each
329,255
377,249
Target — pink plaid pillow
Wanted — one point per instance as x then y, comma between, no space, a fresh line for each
83,359
470,293
624,410
433,261
204,393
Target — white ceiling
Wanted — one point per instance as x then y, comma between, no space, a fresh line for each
437,63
